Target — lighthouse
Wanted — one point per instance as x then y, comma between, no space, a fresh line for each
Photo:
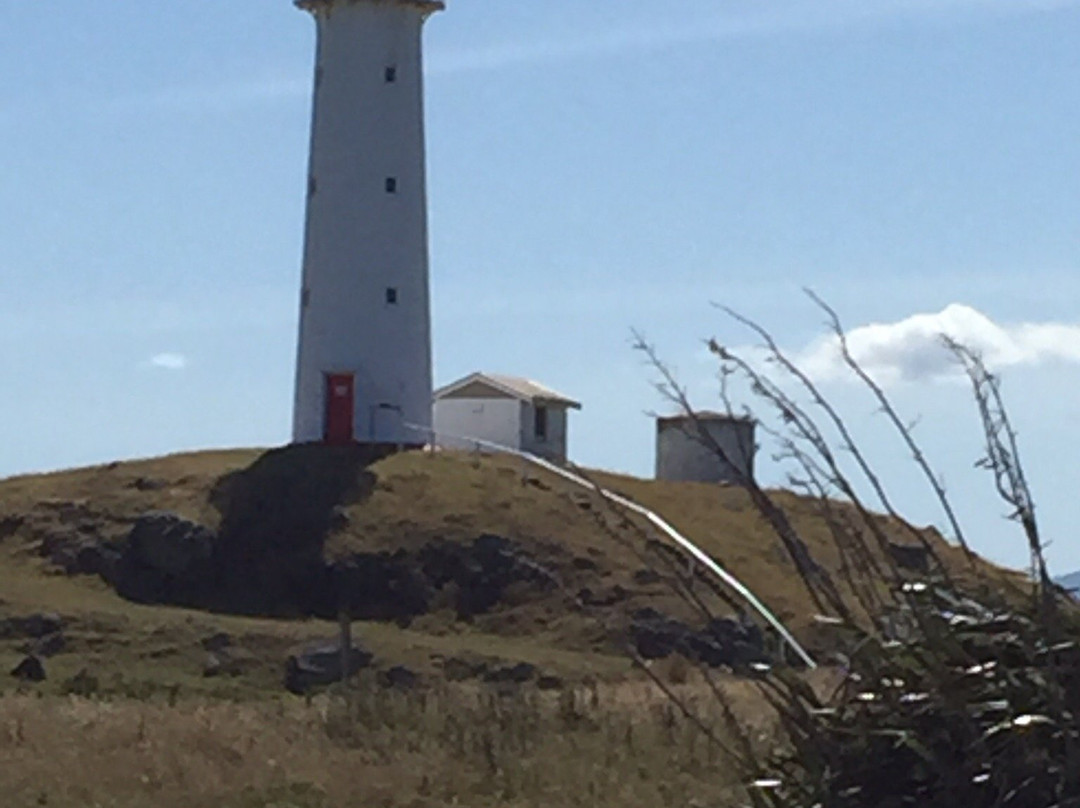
364,354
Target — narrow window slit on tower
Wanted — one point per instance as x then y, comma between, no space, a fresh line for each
391,74
391,185
391,296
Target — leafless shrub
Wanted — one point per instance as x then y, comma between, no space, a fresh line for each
955,690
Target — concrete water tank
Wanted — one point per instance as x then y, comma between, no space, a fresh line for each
706,447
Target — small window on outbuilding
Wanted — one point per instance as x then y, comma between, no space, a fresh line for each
391,74
541,422
391,296
391,185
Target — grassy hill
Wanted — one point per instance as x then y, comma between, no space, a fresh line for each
560,577
308,502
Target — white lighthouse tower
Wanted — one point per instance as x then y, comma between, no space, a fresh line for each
364,358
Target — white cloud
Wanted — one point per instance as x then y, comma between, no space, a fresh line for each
910,350
169,361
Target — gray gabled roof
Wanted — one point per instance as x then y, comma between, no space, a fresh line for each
509,386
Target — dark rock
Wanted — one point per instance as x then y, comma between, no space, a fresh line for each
399,677
68,512
9,526
166,559
48,646
32,626
82,684
275,518
31,669
550,683
537,483
515,674
169,544
723,642
96,558
481,572
614,595
79,552
647,577
912,557
229,662
213,667
321,665
585,564
149,484
673,554
583,501
456,669
657,637
339,518
383,586
217,642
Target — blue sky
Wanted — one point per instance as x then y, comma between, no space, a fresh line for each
593,168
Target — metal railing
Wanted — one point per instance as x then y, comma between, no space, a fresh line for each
729,580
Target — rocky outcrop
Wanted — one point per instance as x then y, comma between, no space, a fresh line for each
164,557
229,661
47,646
30,669
481,572
320,665
32,626
81,553
912,557
9,526
721,643
399,677
513,674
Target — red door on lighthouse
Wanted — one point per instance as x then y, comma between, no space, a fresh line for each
340,406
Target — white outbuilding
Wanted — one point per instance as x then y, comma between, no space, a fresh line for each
705,447
506,410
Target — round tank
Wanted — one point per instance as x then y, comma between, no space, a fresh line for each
707,447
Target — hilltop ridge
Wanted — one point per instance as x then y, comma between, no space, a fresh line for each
442,548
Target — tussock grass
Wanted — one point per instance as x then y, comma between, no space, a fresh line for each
463,745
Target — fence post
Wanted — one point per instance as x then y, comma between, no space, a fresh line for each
344,634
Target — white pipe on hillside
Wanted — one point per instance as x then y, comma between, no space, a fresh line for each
654,518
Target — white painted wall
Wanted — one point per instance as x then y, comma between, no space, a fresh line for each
361,240
684,455
492,419
506,421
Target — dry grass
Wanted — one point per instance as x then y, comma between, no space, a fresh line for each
588,747
404,501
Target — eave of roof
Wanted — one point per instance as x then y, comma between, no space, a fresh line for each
706,416
513,387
